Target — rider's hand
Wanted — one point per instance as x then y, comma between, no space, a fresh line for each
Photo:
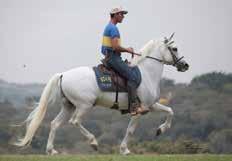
130,50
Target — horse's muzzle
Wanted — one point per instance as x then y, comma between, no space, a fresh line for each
182,66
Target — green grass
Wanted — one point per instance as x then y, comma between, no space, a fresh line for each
116,158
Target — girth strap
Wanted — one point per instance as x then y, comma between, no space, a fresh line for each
115,105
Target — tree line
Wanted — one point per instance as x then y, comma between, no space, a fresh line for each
202,121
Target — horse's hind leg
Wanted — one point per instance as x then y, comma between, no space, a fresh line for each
77,121
60,119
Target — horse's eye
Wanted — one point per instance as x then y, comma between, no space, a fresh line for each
174,49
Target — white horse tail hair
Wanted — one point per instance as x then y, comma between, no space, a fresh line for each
36,116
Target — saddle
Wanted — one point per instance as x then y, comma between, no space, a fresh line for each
110,81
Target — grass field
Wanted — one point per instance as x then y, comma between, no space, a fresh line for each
116,158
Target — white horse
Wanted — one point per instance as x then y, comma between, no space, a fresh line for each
79,93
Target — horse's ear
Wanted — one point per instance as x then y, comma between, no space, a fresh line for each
171,36
166,40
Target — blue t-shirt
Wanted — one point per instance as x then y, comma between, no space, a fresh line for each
111,31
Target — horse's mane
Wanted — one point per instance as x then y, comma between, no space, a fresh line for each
144,51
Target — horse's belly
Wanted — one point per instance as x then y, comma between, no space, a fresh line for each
107,99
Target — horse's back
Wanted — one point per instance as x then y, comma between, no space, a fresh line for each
76,74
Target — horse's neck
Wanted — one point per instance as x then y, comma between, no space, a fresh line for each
152,70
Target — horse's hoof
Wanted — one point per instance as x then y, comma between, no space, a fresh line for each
52,152
94,146
158,132
125,152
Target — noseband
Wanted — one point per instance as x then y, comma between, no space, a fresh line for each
174,58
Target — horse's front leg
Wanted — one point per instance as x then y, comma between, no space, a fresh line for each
130,130
167,124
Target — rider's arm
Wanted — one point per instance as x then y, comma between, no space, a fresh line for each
118,48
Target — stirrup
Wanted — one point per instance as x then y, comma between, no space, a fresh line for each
115,106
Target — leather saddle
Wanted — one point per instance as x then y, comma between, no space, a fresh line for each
108,80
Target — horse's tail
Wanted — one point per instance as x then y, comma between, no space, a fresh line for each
36,116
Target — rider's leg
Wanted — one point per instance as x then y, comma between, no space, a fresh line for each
116,62
132,97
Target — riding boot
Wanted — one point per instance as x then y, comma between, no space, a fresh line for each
131,98
135,106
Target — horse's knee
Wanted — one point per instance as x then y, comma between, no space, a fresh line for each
76,120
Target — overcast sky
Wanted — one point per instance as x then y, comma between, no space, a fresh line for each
41,37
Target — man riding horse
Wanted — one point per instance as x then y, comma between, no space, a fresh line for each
112,49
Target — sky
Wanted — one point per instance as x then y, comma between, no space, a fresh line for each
39,38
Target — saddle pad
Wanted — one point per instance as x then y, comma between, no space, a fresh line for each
107,79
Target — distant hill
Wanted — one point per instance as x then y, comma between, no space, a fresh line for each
17,93
202,120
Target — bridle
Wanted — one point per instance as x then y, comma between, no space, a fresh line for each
174,58
176,62
167,42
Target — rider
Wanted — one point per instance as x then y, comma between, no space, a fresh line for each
112,49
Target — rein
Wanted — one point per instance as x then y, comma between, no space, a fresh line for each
175,59
150,57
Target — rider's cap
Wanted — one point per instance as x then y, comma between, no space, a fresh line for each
118,10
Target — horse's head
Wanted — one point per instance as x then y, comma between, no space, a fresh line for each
170,55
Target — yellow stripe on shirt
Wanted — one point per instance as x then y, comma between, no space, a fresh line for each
106,41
